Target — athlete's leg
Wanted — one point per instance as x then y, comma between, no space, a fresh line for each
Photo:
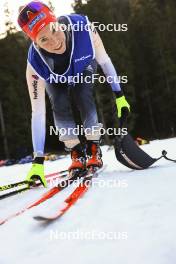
62,112
82,95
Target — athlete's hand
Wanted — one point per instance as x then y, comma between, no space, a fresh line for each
123,107
37,171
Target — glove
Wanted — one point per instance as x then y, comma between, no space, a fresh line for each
37,171
123,107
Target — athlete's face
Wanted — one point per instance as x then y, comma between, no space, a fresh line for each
51,40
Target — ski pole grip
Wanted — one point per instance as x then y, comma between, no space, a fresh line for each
123,119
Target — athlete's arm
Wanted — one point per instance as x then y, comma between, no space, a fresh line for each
105,62
36,87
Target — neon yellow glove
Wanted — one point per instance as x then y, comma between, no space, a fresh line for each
37,171
121,103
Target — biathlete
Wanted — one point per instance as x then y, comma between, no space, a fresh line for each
57,54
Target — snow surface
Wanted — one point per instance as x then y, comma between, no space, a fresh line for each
132,222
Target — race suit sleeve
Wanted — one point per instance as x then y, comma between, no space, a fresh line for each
105,62
36,87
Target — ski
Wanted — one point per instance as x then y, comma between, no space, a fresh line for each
49,194
22,186
16,184
12,193
12,185
83,186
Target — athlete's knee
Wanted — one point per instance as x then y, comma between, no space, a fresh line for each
93,132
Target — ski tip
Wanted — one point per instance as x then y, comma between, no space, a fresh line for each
40,218
2,222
